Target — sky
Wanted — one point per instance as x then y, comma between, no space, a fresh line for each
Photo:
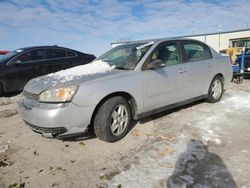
91,25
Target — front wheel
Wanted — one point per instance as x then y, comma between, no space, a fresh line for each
113,119
215,90
1,90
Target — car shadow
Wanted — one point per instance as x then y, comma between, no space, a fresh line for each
90,134
197,167
170,111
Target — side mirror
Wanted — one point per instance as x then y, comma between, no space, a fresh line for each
17,62
155,64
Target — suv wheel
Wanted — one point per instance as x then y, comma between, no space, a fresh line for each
113,119
215,90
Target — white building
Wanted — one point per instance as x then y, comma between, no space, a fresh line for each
220,40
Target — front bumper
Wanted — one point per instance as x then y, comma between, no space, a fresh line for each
60,119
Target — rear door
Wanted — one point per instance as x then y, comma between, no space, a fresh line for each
28,65
198,58
56,59
73,58
167,85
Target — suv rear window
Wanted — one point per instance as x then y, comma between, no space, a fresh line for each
55,53
196,51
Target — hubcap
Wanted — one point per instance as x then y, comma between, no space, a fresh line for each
216,89
119,120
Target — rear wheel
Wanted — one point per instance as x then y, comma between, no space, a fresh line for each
215,90
113,119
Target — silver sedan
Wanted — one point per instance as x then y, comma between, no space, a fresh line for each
128,82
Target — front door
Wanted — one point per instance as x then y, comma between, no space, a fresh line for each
167,85
27,66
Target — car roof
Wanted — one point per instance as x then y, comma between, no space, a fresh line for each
160,40
34,47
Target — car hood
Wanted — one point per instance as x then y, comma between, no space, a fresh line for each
62,78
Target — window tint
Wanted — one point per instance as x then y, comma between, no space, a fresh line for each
168,53
33,55
55,53
71,54
196,51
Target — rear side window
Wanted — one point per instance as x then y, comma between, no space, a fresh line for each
71,54
33,55
196,51
55,53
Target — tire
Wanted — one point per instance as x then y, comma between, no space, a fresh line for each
1,90
216,89
113,119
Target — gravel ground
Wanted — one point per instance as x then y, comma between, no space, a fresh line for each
199,145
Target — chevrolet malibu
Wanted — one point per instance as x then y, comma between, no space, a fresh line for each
128,82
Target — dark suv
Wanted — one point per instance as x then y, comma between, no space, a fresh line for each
246,62
19,66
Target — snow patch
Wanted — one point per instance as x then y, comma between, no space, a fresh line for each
4,146
98,66
210,131
76,73
238,100
209,126
150,169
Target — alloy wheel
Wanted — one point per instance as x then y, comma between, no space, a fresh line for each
216,89
119,120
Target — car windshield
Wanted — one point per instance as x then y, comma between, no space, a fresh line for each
10,54
126,56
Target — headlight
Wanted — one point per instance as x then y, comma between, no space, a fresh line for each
61,94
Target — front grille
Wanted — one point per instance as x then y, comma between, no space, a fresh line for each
52,130
30,95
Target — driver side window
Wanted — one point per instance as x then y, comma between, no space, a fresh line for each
167,53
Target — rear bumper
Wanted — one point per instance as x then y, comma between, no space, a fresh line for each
246,72
54,119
